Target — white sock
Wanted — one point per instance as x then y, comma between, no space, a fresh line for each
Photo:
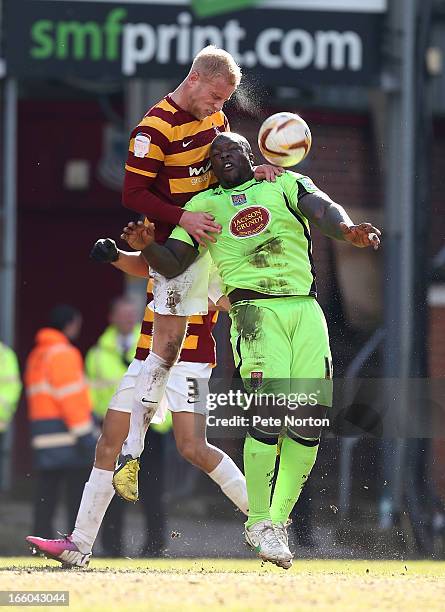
232,482
150,387
97,495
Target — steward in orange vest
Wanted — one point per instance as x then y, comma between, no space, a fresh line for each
60,412
59,405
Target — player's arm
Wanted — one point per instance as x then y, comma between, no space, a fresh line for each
131,263
106,251
170,259
147,148
333,221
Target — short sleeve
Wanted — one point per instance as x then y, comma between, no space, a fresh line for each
295,187
149,144
179,233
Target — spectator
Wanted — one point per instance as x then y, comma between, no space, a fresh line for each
60,412
10,387
107,361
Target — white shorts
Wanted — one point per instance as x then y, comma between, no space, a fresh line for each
186,294
186,391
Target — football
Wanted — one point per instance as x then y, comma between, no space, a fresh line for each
284,139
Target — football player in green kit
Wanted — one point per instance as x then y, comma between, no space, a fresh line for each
279,335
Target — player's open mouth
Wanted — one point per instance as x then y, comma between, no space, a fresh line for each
228,166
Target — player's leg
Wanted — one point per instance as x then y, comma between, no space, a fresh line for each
191,441
310,372
186,397
190,437
75,480
173,300
168,335
260,355
98,491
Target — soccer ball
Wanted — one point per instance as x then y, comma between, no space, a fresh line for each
284,139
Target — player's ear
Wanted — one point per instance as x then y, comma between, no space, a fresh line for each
194,76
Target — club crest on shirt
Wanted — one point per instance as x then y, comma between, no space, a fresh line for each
249,221
141,144
238,199
307,184
256,379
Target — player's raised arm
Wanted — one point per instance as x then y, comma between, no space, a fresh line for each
105,251
332,220
169,260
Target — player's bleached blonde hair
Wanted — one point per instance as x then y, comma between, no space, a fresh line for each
213,62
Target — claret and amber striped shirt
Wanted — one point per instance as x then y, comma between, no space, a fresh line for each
168,162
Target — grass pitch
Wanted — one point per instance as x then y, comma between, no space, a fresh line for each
233,585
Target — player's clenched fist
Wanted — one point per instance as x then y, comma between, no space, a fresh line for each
104,251
138,235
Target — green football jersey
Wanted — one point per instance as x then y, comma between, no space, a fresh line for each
265,243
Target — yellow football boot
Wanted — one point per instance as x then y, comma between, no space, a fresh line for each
125,478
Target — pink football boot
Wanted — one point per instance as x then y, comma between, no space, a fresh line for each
63,550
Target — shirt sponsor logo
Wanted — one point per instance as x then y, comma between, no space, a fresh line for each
201,170
205,178
141,144
249,222
238,199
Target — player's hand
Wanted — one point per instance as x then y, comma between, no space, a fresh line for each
138,235
200,226
362,235
104,251
267,172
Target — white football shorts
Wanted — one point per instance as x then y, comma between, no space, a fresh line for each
186,391
186,294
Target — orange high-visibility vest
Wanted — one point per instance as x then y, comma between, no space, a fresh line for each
59,405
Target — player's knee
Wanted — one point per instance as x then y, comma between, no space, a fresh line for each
169,348
306,422
172,348
168,336
267,437
191,451
297,437
108,447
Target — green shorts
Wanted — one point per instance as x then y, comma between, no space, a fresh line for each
281,345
